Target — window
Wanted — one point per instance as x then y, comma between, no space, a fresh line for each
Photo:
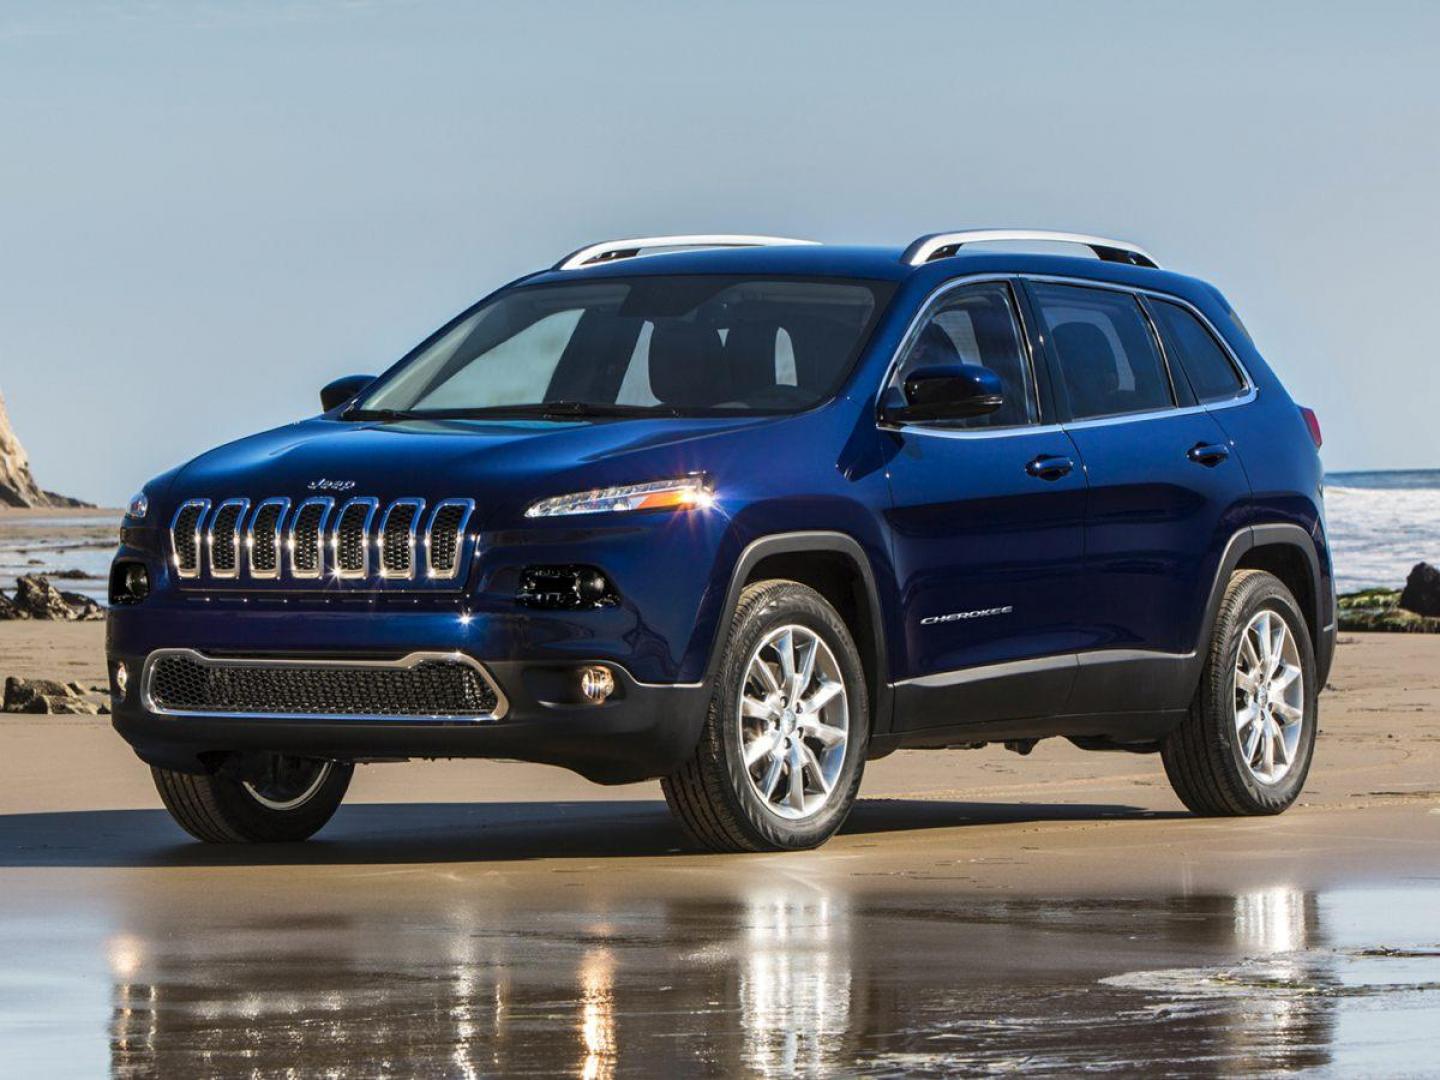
693,345
1109,362
1194,349
514,370
977,325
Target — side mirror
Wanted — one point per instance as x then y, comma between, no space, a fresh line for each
948,392
342,390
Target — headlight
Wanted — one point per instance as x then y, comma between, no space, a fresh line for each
139,507
691,493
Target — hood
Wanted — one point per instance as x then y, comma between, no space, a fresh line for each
503,465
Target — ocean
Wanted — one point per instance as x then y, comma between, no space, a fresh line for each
1381,524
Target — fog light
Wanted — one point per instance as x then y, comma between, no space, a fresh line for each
122,678
596,683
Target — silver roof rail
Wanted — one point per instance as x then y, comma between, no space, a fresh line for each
943,245
626,249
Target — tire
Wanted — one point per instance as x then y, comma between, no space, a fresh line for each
295,798
1216,759
718,800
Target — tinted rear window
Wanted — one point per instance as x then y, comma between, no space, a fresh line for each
1212,375
1109,361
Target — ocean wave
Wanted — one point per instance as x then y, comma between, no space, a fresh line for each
1377,534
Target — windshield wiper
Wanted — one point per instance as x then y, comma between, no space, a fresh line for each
547,410
592,408
376,414
542,409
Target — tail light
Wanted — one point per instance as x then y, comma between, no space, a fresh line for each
1312,422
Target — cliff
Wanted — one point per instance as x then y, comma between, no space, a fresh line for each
17,485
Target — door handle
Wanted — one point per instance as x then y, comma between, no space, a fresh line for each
1049,467
1210,454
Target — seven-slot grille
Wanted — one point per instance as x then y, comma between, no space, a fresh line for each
319,539
422,685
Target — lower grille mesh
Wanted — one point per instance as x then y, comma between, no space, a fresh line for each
430,688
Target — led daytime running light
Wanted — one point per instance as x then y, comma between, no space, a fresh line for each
691,493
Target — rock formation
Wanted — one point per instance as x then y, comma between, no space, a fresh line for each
36,598
17,486
1422,590
48,696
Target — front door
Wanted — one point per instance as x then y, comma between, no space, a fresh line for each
987,521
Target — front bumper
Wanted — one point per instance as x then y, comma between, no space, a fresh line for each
645,729
642,731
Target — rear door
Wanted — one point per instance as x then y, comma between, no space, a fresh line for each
987,526
1166,494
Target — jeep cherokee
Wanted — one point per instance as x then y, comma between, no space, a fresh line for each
741,513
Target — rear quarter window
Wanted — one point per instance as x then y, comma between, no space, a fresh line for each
1191,347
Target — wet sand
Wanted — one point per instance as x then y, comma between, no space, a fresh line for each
981,912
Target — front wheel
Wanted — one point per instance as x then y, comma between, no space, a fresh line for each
275,798
780,757
1245,746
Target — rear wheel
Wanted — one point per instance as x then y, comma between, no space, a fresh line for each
780,758
1246,745
274,798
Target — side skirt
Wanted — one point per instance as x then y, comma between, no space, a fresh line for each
1119,696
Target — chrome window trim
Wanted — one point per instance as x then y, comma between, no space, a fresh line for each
409,573
469,507
235,533
1245,398
371,506
327,505
277,540
204,505
502,704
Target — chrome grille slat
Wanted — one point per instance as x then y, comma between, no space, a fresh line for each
222,538
398,530
263,540
185,537
320,542
445,537
350,540
307,538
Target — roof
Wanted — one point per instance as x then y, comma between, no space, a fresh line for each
871,263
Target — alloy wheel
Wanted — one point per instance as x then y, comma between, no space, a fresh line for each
794,722
1269,697
288,783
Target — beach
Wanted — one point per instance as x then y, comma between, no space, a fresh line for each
980,910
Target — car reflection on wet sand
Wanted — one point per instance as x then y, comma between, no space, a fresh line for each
785,979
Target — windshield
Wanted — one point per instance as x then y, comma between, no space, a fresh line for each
693,345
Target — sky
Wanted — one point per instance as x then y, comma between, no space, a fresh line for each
208,210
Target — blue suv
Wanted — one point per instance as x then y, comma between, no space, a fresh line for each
741,513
